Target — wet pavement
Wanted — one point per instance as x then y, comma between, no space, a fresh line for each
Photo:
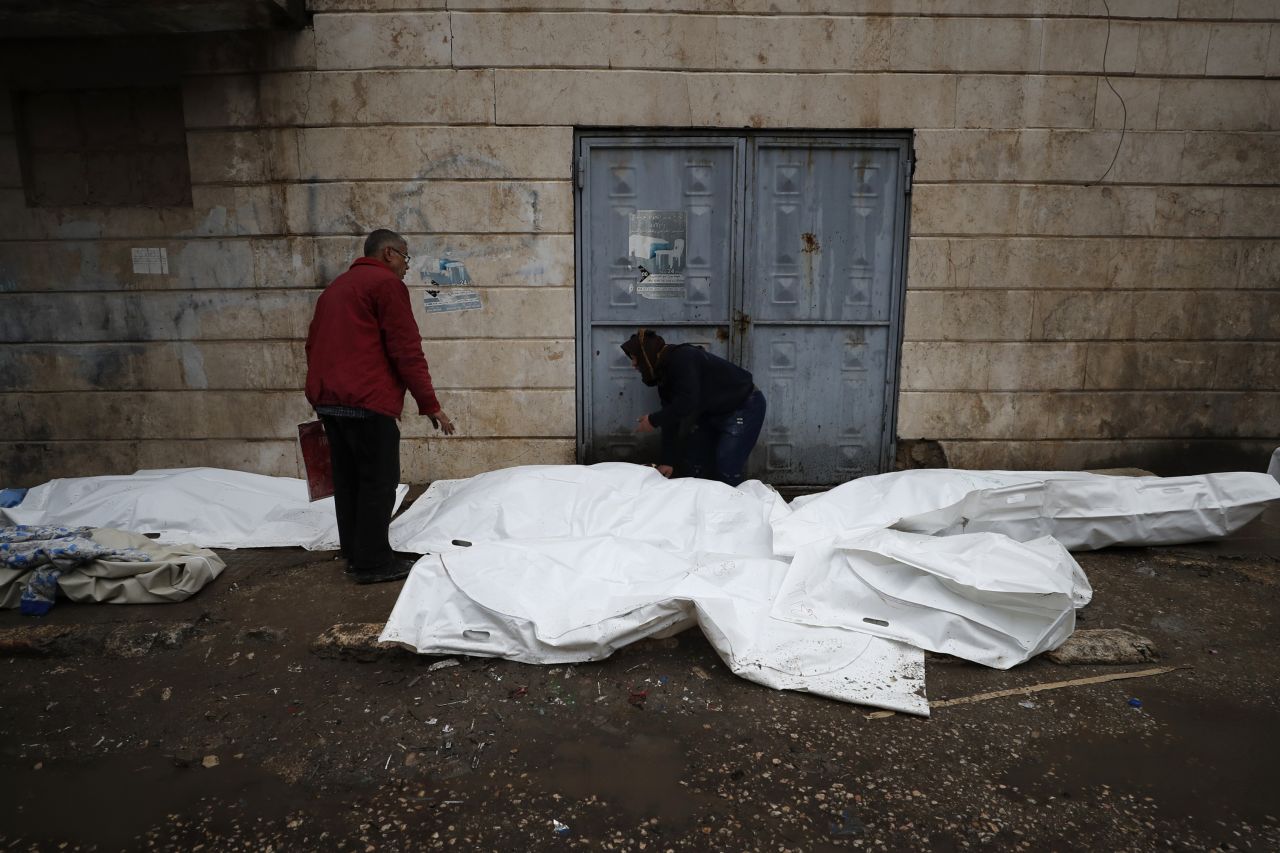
244,738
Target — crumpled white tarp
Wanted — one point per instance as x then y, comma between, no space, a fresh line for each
568,563
209,507
982,597
567,600
612,498
1274,468
879,501
1080,509
1092,511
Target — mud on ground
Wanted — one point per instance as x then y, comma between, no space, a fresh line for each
241,737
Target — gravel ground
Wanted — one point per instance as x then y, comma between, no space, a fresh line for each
214,725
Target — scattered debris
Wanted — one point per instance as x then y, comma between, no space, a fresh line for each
442,664
263,634
559,828
1105,646
183,757
419,713
701,673
133,641
210,761
1135,702
849,824
518,692
127,641
638,697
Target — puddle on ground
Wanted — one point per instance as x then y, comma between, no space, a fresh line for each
638,775
1203,763
110,800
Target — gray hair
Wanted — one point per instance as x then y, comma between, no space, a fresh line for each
380,239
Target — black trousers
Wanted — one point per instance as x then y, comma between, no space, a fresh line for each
366,470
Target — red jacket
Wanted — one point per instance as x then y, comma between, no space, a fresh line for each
364,348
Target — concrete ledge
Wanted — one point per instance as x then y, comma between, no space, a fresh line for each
353,640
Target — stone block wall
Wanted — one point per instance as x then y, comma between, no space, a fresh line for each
1055,318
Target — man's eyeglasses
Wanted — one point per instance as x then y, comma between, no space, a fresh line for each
404,255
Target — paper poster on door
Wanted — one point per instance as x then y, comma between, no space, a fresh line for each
656,248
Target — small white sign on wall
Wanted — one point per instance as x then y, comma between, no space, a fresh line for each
151,261
444,278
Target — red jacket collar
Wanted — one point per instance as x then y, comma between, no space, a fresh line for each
366,262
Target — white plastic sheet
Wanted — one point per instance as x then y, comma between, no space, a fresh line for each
872,503
1080,509
1274,468
982,597
209,507
565,600
632,502
1091,511
568,563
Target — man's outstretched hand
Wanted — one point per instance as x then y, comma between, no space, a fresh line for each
643,424
441,422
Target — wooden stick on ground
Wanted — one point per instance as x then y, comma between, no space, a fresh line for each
1036,688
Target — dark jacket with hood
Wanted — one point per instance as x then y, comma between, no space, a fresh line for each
691,382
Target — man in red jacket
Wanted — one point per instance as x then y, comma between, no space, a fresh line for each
363,351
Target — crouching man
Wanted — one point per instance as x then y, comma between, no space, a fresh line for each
715,401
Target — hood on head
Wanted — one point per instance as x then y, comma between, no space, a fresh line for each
645,346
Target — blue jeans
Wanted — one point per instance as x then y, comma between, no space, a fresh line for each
717,446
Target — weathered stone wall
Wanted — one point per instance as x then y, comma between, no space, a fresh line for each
1052,320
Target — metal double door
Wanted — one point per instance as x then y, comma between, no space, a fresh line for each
784,254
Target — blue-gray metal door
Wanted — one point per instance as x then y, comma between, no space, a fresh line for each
793,255
824,267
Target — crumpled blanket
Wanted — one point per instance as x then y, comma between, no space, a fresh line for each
47,552
97,564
